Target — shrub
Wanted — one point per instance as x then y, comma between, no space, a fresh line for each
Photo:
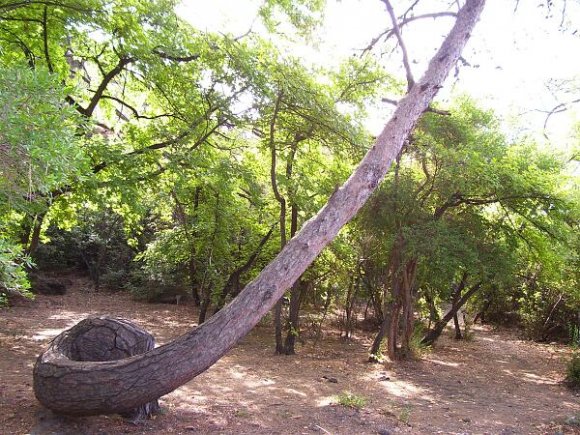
573,371
12,271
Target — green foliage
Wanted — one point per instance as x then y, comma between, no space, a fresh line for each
463,199
97,244
129,132
304,15
351,400
39,152
12,272
573,371
39,148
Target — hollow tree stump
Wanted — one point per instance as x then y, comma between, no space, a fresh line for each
99,338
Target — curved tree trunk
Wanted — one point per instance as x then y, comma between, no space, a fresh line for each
85,388
106,338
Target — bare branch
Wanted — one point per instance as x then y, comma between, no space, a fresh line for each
559,108
123,61
173,58
134,111
404,21
397,32
45,38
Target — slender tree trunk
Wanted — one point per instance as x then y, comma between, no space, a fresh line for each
205,286
409,275
85,388
458,335
456,295
433,313
203,308
349,305
293,319
396,302
295,295
234,279
282,216
375,352
193,281
432,336
33,236
393,329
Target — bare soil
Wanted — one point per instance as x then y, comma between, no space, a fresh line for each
491,384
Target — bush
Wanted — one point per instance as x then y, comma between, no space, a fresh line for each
97,245
144,287
115,279
573,371
12,271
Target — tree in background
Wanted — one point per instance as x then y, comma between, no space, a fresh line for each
39,152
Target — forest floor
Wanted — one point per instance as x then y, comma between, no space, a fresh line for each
491,384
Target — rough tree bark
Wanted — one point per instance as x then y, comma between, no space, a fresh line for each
106,338
85,388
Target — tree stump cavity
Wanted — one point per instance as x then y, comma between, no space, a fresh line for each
104,338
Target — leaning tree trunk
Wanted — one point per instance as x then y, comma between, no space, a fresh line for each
85,388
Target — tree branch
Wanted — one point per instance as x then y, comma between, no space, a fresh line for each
404,21
178,59
45,38
25,49
123,61
16,5
397,32
134,111
559,108
458,199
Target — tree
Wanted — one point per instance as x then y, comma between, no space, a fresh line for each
90,388
444,217
39,152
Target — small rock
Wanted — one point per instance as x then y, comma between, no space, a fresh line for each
384,432
384,378
331,379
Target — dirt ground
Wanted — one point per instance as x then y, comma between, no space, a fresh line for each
492,384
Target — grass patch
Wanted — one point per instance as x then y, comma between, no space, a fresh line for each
351,400
405,415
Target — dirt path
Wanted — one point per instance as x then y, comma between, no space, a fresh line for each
493,384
